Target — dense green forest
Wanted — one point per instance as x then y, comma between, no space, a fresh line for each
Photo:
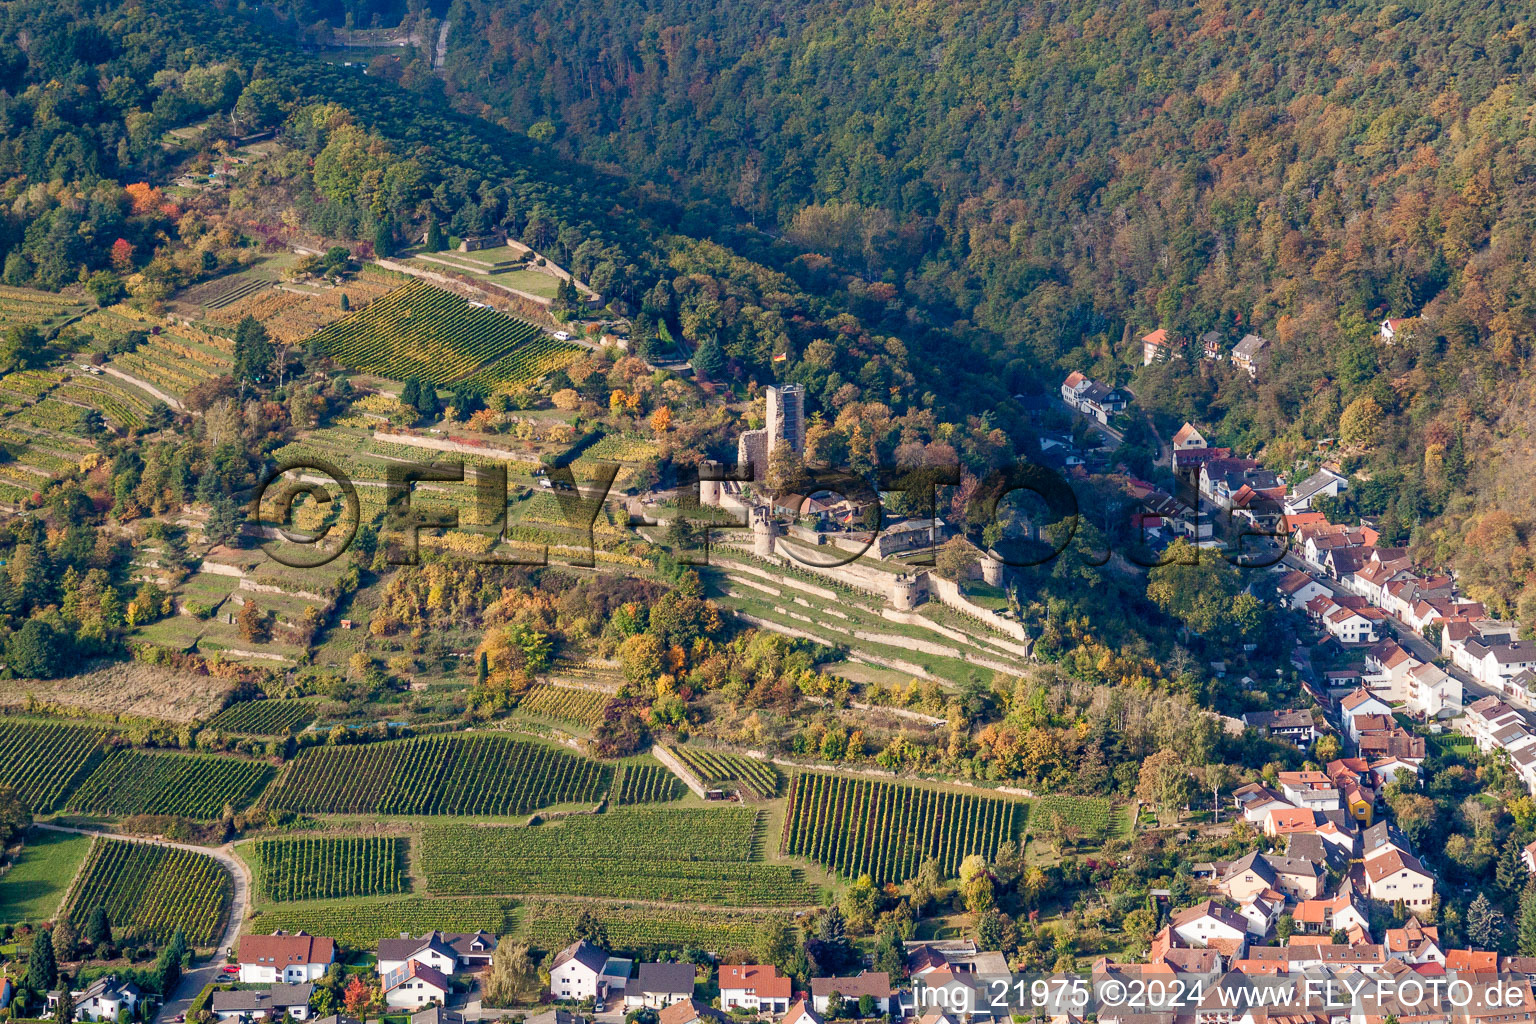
1064,177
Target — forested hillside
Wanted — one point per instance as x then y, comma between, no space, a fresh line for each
1067,176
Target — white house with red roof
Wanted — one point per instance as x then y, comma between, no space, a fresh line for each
414,985
1157,346
1207,922
1393,329
1188,438
281,958
759,988
1296,588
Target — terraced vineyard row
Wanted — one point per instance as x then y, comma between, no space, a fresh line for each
641,928
188,785
857,826
309,869
42,761
421,331
689,856
42,309
264,717
646,784
360,924
532,362
759,778
474,774
119,402
568,704
151,891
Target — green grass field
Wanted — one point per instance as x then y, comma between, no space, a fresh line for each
35,885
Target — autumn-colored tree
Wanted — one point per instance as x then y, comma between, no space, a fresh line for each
122,256
357,996
661,420
253,624
145,198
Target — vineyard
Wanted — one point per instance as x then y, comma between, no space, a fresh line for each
41,762
686,856
360,924
292,316
643,929
1092,816
312,869
425,332
567,704
151,891
264,717
41,309
175,358
621,448
473,774
757,778
646,784
188,785
886,830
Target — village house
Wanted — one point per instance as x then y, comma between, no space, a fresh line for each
280,957
272,1003
1488,716
1393,875
1188,439
1495,663
414,985
1157,347
1222,479
1311,790
759,988
1324,916
692,1011
1213,346
1297,588
1261,912
583,971
1250,354
1415,943
1387,666
431,950
1393,741
1093,399
1325,483
1252,874
659,985
1355,626
1433,693
1361,702
1393,330
875,984
1294,726
1209,923
1255,800
101,1000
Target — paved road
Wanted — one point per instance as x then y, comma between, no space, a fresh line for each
193,980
